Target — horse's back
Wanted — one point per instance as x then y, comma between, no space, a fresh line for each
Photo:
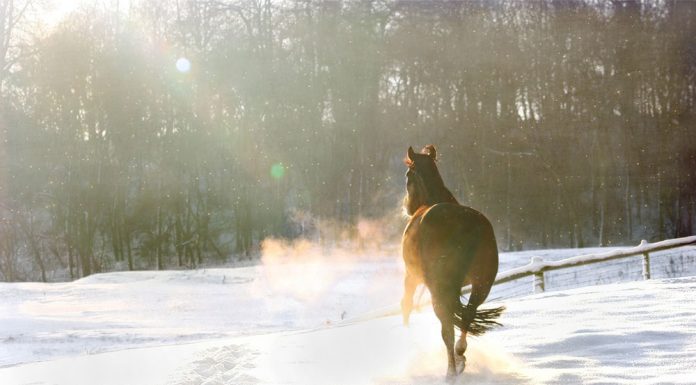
456,214
453,225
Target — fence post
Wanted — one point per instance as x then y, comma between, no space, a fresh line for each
539,286
646,261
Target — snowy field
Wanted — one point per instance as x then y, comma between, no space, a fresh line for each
279,323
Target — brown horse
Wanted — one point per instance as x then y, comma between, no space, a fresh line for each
447,246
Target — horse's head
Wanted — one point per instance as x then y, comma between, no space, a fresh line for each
421,176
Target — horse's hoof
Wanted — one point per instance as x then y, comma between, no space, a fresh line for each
461,364
452,373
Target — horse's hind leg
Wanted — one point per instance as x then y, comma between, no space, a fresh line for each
478,295
461,345
410,284
467,316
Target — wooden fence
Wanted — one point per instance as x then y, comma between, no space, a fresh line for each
538,266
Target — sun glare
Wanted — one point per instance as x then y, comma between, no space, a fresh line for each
51,13
56,11
183,65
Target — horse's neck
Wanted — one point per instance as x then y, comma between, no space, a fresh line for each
417,208
437,192
441,194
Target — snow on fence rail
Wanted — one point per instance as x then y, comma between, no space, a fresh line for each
537,267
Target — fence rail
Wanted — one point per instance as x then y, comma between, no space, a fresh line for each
538,266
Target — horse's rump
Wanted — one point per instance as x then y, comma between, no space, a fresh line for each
457,245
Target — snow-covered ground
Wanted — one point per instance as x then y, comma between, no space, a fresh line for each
281,323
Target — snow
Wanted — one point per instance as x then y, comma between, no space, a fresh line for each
257,325
115,311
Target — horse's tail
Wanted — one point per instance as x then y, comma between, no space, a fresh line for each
477,321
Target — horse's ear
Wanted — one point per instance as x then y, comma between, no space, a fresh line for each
410,154
429,150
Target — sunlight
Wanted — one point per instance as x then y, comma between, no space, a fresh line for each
382,351
366,353
56,11
183,65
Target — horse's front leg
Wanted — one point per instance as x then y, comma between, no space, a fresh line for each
410,285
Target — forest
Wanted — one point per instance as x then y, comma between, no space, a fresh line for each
149,134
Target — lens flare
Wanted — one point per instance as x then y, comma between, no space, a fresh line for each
277,171
183,65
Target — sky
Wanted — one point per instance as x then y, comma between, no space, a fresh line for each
53,12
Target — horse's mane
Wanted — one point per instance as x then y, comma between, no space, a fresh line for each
432,184
437,191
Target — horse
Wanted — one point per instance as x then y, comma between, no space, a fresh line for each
447,246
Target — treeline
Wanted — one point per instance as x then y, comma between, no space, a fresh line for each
569,123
